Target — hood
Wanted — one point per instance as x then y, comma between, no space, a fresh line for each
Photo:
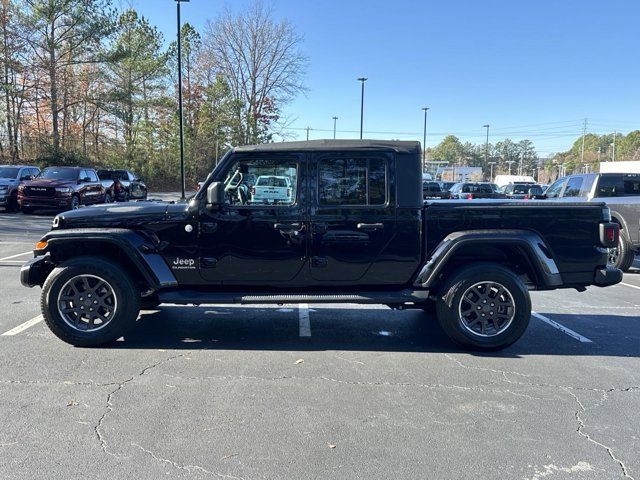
112,215
49,182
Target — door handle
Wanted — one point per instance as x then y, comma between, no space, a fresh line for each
370,226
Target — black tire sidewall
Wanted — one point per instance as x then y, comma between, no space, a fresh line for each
126,292
453,288
76,198
626,255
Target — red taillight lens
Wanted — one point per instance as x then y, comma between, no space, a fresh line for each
610,234
526,197
253,190
470,196
197,187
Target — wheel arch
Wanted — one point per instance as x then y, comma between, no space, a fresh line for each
523,251
132,251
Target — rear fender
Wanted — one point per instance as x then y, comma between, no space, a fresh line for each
534,247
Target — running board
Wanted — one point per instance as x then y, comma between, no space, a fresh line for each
186,297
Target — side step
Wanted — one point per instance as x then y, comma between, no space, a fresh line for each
186,297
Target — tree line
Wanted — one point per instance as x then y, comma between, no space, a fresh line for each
85,83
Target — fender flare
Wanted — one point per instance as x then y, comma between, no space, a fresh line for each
538,253
140,249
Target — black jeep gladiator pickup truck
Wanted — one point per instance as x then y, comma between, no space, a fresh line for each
351,228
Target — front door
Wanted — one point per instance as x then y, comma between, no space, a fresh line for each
353,217
258,236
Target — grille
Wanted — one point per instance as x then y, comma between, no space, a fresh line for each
40,191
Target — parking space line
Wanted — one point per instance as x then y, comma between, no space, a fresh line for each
561,327
23,327
16,255
629,285
303,319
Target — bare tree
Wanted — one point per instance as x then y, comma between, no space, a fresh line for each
260,58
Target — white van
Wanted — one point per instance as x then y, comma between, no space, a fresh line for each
502,180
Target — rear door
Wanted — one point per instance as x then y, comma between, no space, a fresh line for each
353,215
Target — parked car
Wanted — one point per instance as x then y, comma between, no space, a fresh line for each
62,188
469,191
446,186
522,191
474,262
271,189
10,178
126,184
621,193
502,180
432,190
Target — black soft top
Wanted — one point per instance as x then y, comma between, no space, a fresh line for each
406,147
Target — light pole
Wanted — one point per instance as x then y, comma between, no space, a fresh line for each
509,162
362,79
486,145
491,164
424,139
182,184
334,127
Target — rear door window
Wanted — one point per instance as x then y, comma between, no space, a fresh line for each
554,190
352,181
574,185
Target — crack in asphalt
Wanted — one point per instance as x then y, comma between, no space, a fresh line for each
188,468
121,385
581,427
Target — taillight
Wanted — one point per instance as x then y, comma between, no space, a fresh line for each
197,187
609,233
526,197
470,196
253,191
288,192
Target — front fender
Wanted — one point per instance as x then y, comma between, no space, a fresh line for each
535,247
139,249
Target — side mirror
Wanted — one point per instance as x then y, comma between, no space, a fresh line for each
215,194
85,179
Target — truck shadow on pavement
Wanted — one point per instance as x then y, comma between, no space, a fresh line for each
363,329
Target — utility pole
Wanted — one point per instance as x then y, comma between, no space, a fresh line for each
491,164
486,145
182,181
614,146
334,127
307,129
584,134
424,140
362,79
509,162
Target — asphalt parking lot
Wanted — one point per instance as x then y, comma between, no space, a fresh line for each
313,391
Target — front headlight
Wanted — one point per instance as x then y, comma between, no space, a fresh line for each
20,188
63,189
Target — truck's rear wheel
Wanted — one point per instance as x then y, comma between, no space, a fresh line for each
622,256
89,301
484,307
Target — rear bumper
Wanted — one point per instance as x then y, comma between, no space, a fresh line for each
607,276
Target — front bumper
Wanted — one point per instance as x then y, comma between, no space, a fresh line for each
40,202
605,277
35,271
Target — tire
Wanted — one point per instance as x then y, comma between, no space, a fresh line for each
623,256
75,202
120,295
12,205
476,287
107,198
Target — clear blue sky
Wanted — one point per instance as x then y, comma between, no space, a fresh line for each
529,68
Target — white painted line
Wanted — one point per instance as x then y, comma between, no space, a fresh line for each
30,252
629,285
17,262
23,327
305,324
562,328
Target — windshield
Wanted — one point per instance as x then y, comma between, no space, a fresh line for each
59,174
112,175
8,172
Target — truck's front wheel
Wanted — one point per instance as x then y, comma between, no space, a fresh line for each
484,307
89,301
